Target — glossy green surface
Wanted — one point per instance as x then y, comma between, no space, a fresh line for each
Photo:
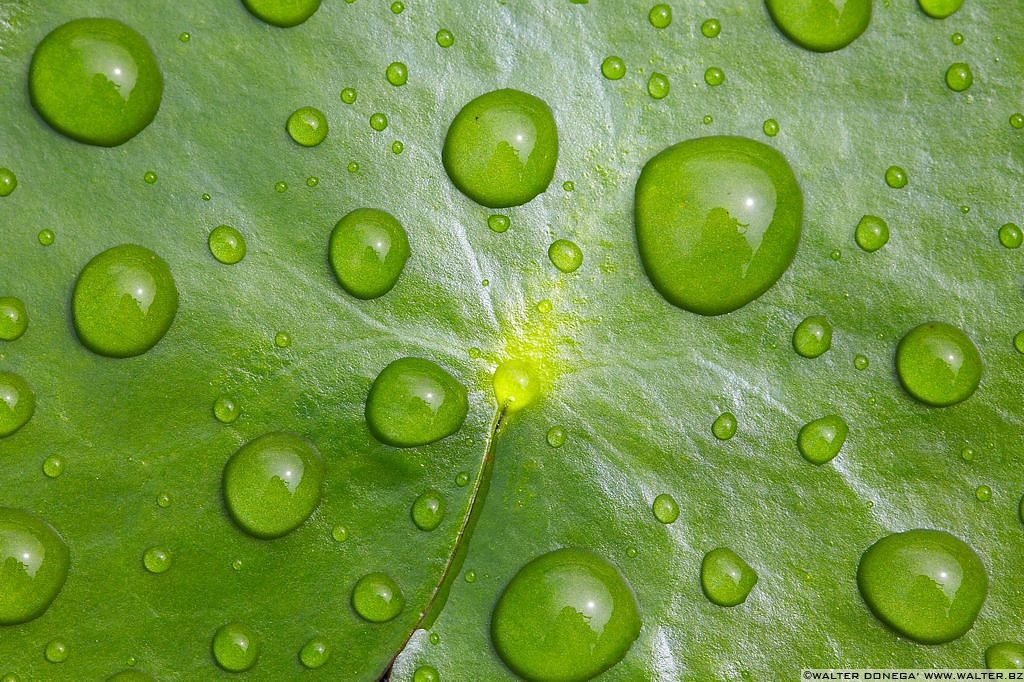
717,222
33,565
96,80
13,318
368,250
283,13
938,364
414,402
1005,656
566,616
235,647
377,598
17,403
926,585
821,25
726,578
820,440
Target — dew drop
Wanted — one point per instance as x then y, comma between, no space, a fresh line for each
821,440
56,651
665,508
714,76
314,653
226,244
658,86
397,73
205,196
96,81
940,9
938,364
312,181
872,233
711,28
470,576
8,182
813,336
516,385
498,223
378,121
770,127
282,339
569,186
708,120
377,598
35,561
660,16
1011,236
1018,341
184,36
236,564
349,95
983,493
426,673
565,255
613,68
445,38
281,187
397,7
967,454
157,560
544,306
717,221
462,479
13,318
1017,120
725,578
352,167
821,25
957,38
17,403
149,177
163,500
124,301
283,13
567,615
53,466
368,250
339,533
1005,656
397,147
556,436
415,402
927,585
959,77
435,638
235,648
896,177
307,126
428,510
724,426
46,237
226,409
273,483
860,362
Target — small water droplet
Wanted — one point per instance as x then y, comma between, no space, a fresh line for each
724,426
415,402
708,120
56,651
397,7
660,16
426,673
445,38
157,559
397,147
726,578
307,126
462,479
53,466
46,237
314,653
435,638
714,76
184,36
770,127
835,254
237,564
556,436
813,336
498,223
368,250
665,508
821,440
282,339
226,244
281,187
967,454
938,364
470,576
475,353
860,362
1018,341
569,186
17,403
632,552
658,86
8,182
312,181
983,493
896,177
428,510
378,121
352,167
13,318
711,28
205,196
565,255
821,26
377,598
163,500
283,14
544,306
940,9
872,233
516,385
225,409
397,73
149,177
235,647
349,95
35,560
959,77
1011,236
1017,120
613,68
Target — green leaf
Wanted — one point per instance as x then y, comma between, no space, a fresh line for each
635,382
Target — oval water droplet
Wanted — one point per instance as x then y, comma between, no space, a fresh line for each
282,339
226,409
307,126
516,385
149,177
46,237
770,127
445,38
717,222
426,673
378,121
896,177
428,510
53,466
1010,236
860,362
983,493
35,564
397,73
397,7
938,364
714,76
315,653
565,255
959,77
235,647
711,28
157,559
940,9
872,233
658,86
813,336
368,251
13,318
613,68
567,615
415,402
283,13
273,483
349,95
501,148
226,244
124,301
821,440
665,508
339,533
1005,656
96,81
821,25
8,182
927,585
17,403
726,578
377,598
556,436
498,223
56,651
462,479
163,500
724,426
660,15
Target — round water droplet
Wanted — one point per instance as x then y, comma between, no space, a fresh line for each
516,385
397,73
307,126
156,559
235,648
273,483
896,177
938,364
959,77
544,306
724,426
149,177
501,148
927,585
967,455
983,493
821,25
1005,656
613,68
130,676
665,508
225,409
426,673
957,38
339,533
205,196
377,598
124,301
35,564
368,251
184,36
462,479
8,182
556,436
46,237
821,440
352,167
717,222
415,402
435,638
714,76
813,336
1018,341
940,9
56,651
397,7
283,13
660,16
1017,120
565,255
470,576
498,223
314,653
569,186
53,466
428,510
567,615
860,362
17,403
835,254
227,244
770,127
872,233
349,95
725,577
163,500
378,121
13,318
1010,236
711,28
282,339
96,81
445,38
658,86
281,187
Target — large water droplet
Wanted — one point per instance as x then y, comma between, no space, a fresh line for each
17,403
273,483
821,25
872,233
501,148
819,441
565,255
415,402
235,648
940,9
428,510
124,301
226,244
717,221
13,318
725,577
314,653
307,126
568,615
516,385
283,13
1005,656
34,562
377,598
96,81
927,585
813,336
368,251
938,364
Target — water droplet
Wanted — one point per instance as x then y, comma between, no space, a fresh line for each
565,255
349,95
227,244
445,38
273,483
724,426
470,576
282,339
770,127
732,232
896,177
569,186
516,385
35,561
312,181
307,126
378,121
813,336
163,500
426,673
872,233
1018,341
938,364
714,76
632,552
397,73
428,510
1011,236
967,454
8,182
225,409
397,147
567,615
613,68
711,28
149,177
235,648
556,436
368,251
860,361
184,36
283,13
835,254
415,402
1005,656
46,237
498,223
96,81
983,493
462,479
397,7
237,564
156,559
658,86
660,16
940,9
821,440
56,651
475,353
314,653
435,638
352,167
927,585
130,676
53,466
821,25
544,306
501,148
726,578
124,301
959,77
665,508
377,598
13,318
708,120
281,187
17,403
206,196
1017,120
957,38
